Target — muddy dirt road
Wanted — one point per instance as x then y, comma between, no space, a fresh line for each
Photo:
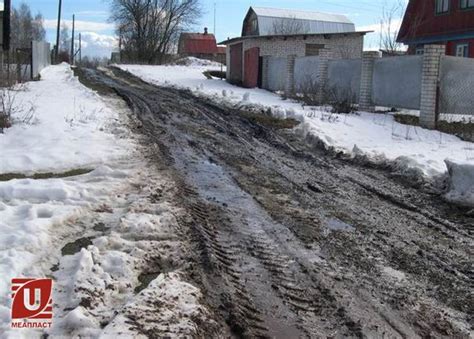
291,241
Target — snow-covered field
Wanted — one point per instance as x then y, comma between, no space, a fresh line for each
108,209
377,136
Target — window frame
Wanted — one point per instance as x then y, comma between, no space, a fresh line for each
420,51
437,3
313,49
466,45
468,7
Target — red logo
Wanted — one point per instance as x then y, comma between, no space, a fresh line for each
32,303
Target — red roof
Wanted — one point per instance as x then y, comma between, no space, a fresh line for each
221,49
197,43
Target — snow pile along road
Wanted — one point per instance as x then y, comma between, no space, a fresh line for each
59,124
411,150
102,233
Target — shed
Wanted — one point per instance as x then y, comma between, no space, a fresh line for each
201,45
276,21
196,44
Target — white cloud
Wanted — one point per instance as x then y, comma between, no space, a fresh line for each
98,45
80,25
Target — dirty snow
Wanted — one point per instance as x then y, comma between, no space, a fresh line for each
461,183
123,233
376,136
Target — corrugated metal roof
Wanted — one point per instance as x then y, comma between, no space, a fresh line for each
270,19
303,15
284,37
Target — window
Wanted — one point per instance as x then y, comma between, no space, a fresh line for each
467,4
462,50
313,49
442,6
420,51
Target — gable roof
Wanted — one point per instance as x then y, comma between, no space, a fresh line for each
272,19
197,43
299,14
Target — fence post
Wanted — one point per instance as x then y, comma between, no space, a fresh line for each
324,56
265,68
366,102
290,75
429,85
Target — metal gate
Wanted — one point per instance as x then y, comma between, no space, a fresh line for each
251,67
236,64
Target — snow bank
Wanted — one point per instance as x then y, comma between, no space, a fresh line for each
378,137
192,61
461,183
34,215
71,127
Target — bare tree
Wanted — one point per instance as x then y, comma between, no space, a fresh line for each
389,27
39,32
25,28
64,44
288,26
149,29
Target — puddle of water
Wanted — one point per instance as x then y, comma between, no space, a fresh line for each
338,225
76,246
100,227
145,279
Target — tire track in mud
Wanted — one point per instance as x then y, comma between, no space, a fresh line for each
257,204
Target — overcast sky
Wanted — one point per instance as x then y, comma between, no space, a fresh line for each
99,38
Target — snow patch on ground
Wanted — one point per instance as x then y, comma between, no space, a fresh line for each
72,127
377,136
461,183
196,62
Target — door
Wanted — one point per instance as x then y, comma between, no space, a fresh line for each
260,72
251,67
236,64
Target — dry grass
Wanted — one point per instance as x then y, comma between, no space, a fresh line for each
48,175
463,130
270,121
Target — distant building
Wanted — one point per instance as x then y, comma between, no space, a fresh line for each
269,32
447,22
201,45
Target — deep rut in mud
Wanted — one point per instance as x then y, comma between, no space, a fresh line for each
291,241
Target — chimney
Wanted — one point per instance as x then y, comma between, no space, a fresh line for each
205,31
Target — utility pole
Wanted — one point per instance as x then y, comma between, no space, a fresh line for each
58,31
80,49
215,13
72,39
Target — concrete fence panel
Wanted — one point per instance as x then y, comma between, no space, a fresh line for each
276,76
344,76
456,85
306,72
41,57
397,81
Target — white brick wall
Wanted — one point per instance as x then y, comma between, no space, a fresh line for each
366,81
337,46
345,47
429,84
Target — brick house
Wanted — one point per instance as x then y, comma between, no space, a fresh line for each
200,45
447,22
284,33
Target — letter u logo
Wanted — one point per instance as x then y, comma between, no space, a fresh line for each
36,304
